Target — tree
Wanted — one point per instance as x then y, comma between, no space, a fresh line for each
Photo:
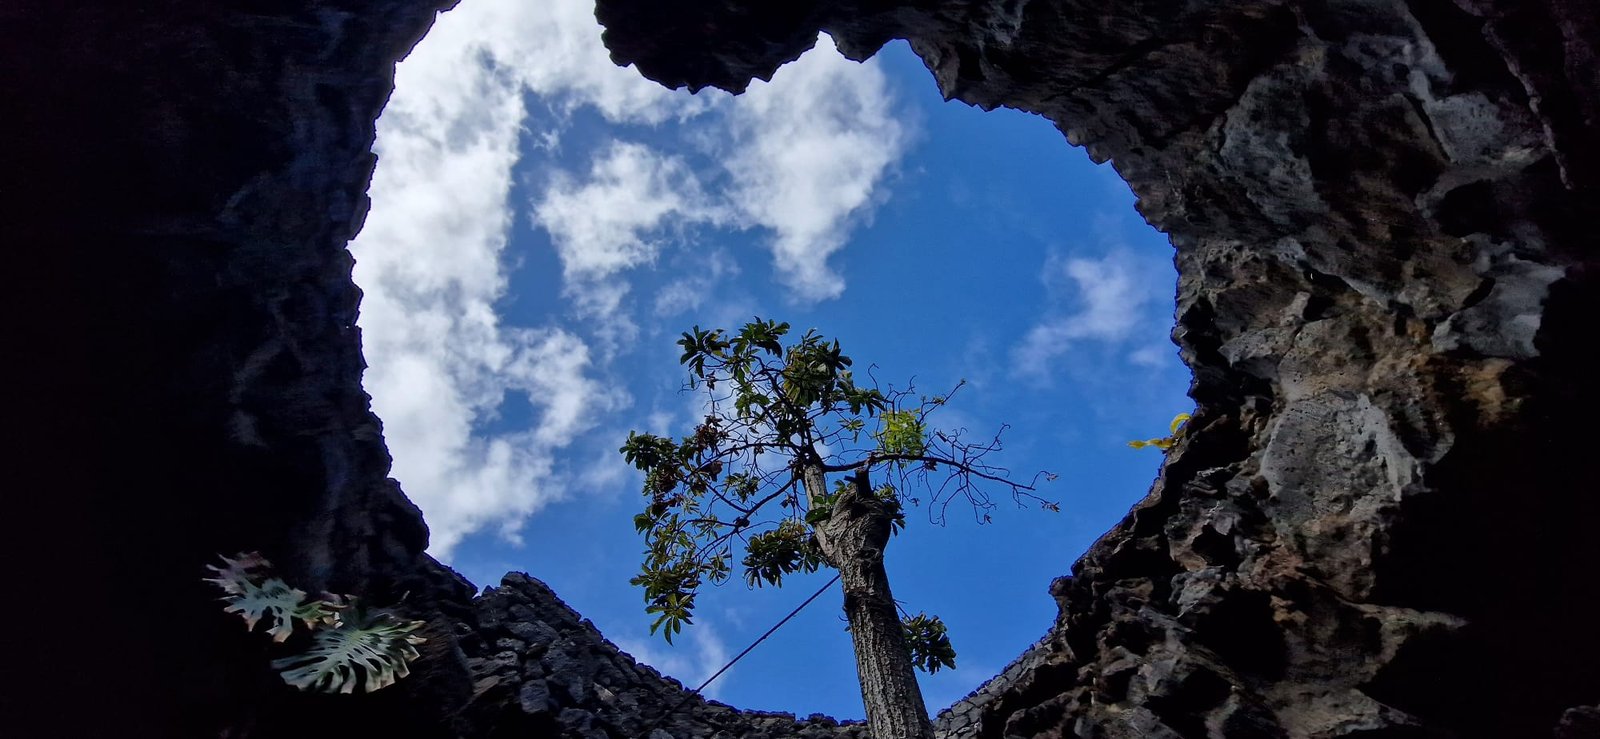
754,474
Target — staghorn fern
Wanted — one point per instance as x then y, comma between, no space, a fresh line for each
370,649
347,641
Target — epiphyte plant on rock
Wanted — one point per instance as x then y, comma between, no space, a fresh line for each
350,644
1165,443
754,474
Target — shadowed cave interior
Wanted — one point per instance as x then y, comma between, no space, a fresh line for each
1376,527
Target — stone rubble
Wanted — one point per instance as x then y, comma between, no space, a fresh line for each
540,669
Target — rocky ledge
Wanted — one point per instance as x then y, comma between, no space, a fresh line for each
541,669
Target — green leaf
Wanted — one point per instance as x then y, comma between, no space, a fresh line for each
367,650
704,494
275,604
348,646
271,602
901,432
929,643
784,550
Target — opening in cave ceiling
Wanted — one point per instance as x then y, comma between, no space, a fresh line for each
544,224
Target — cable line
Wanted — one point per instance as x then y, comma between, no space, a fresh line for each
762,638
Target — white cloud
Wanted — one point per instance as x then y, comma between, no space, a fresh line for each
696,654
805,157
807,153
615,219
603,474
1113,296
429,260
550,48
599,225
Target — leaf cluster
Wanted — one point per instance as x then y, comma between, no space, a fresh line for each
350,644
732,490
929,643
903,433
769,405
372,649
784,550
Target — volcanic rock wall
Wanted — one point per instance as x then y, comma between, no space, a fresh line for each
178,182
543,670
1380,524
1376,523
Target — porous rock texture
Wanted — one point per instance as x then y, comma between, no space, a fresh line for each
1379,525
543,670
1379,522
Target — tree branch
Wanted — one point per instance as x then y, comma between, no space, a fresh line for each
875,459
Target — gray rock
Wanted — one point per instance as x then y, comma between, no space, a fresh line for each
535,633
1374,276
534,698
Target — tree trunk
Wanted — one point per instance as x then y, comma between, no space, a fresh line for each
853,540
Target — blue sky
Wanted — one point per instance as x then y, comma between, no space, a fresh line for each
545,224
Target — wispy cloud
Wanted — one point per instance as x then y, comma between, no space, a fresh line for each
690,291
1113,299
696,654
616,218
808,153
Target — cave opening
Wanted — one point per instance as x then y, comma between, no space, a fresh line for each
544,224
1395,386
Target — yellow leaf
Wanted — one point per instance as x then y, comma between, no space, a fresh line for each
1167,442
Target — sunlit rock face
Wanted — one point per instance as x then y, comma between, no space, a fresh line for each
1378,523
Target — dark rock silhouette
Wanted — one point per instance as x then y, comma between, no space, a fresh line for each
1380,524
